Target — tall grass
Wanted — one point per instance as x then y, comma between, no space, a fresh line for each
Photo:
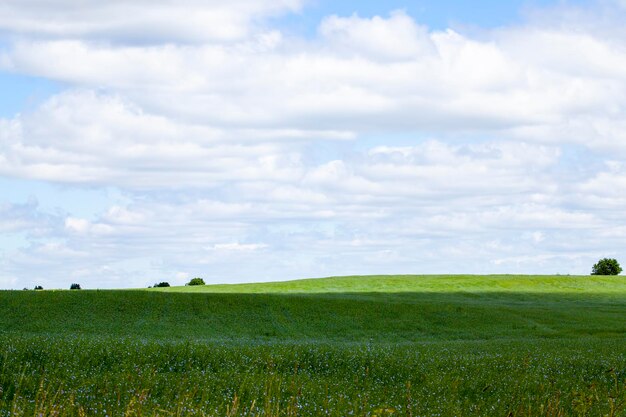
93,376
548,346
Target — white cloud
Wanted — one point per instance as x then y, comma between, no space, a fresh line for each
378,146
239,247
83,137
83,226
139,21
538,237
509,82
395,38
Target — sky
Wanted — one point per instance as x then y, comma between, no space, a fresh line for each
258,140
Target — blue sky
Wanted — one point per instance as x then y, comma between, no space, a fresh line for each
439,15
271,140
23,93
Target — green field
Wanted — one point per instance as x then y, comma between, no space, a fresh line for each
376,345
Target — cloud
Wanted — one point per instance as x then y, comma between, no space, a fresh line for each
377,146
238,247
606,191
250,109
395,38
139,21
150,239
26,218
86,138
82,226
360,75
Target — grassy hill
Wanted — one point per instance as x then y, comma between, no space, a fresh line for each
366,346
548,284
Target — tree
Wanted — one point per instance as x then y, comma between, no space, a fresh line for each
75,287
38,287
196,281
162,285
606,266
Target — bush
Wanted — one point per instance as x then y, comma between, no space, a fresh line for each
75,287
606,266
161,285
196,281
38,287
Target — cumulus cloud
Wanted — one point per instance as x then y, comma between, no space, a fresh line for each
84,137
119,247
510,81
398,37
376,146
139,21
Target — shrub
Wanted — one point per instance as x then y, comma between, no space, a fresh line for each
196,281
38,287
161,285
606,266
75,287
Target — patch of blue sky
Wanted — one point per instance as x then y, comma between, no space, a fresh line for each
22,93
318,153
436,14
578,163
83,202
416,137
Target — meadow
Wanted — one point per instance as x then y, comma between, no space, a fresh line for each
363,346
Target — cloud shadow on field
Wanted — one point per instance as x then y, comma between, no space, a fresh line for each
406,317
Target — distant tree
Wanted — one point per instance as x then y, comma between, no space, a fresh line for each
38,287
606,266
162,285
196,281
75,287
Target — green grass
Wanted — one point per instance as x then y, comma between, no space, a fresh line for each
397,345
548,284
